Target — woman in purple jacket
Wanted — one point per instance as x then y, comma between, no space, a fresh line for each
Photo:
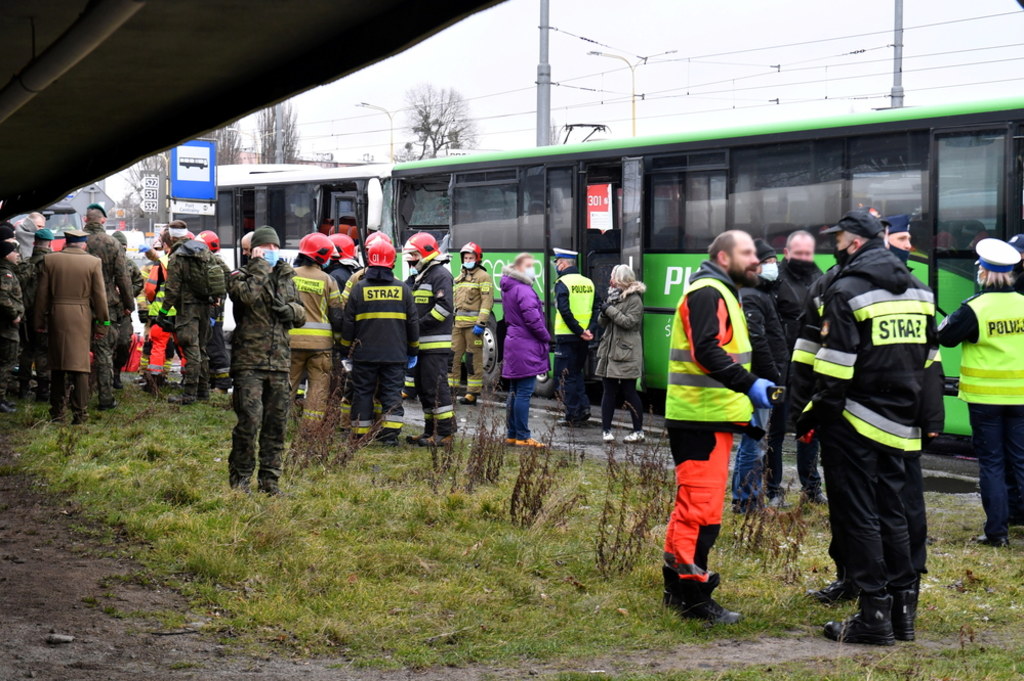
527,344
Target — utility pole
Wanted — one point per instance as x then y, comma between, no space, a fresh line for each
896,97
544,80
278,133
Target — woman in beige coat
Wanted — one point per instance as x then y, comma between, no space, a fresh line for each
620,356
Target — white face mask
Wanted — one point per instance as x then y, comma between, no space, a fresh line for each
469,265
770,271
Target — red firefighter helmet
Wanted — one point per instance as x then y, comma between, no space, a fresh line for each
211,240
346,248
317,247
422,246
471,247
380,252
378,235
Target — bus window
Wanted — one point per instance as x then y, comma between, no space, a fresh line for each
532,205
226,218
890,173
424,207
687,210
779,188
971,168
560,216
487,215
291,211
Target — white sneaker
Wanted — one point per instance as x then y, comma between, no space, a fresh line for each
607,436
635,436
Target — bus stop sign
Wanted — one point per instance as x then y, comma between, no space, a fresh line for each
194,171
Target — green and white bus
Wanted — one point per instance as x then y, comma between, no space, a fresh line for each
657,202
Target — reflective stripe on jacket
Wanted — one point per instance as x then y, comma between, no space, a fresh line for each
318,293
474,297
581,303
992,369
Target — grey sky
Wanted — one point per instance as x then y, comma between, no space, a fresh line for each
492,58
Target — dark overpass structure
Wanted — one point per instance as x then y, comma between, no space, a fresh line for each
88,87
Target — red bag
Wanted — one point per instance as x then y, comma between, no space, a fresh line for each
134,354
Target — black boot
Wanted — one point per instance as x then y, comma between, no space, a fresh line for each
698,603
872,625
24,390
239,482
43,390
904,611
839,590
673,597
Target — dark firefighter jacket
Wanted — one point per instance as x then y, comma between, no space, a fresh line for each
380,323
767,337
435,306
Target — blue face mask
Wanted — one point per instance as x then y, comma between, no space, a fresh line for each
903,255
272,257
469,265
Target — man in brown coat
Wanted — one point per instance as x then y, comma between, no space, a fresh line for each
71,307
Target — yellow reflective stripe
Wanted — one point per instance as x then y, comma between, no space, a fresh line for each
894,307
414,344
935,355
827,368
303,331
380,315
360,430
396,425
441,417
872,432
437,315
990,373
803,357
437,345
988,389
345,343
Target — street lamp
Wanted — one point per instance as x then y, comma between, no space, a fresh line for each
632,72
391,122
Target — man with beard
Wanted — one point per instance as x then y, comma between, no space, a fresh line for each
709,396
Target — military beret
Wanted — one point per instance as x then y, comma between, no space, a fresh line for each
119,235
44,234
98,207
265,235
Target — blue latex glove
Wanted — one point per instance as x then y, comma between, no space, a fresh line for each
758,393
213,322
478,330
412,362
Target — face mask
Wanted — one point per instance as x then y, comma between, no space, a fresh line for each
842,257
529,274
413,270
469,265
903,255
272,257
770,271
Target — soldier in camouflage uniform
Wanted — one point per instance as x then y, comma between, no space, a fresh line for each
192,322
124,331
12,310
33,344
120,301
266,308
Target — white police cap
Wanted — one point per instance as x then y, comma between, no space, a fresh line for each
996,255
565,253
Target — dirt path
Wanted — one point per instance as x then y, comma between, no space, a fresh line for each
56,579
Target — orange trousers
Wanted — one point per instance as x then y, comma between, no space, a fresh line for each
158,349
702,474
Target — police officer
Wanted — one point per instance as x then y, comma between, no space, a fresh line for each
217,348
578,308
431,285
12,313
711,394
266,307
119,299
123,345
312,342
990,327
870,409
33,343
380,331
474,298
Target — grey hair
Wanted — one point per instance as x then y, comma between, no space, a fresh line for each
798,233
623,274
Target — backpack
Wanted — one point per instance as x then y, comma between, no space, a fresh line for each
206,277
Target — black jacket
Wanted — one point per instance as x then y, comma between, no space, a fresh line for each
889,378
771,352
383,339
435,306
795,280
341,273
808,342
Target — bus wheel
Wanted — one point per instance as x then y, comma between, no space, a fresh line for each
492,359
545,386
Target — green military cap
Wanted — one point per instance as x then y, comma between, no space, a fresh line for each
265,235
97,207
44,234
119,235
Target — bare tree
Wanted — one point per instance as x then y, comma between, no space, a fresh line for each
439,119
229,144
266,129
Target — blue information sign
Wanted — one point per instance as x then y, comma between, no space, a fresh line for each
194,171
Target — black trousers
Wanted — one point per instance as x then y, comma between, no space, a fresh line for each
220,360
370,381
866,495
431,377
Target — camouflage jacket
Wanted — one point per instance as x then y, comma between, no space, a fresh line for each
11,305
138,281
115,270
179,290
266,308
28,276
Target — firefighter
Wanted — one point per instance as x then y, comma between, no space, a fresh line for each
380,331
991,332
870,409
162,343
217,348
474,298
343,263
431,285
710,391
311,343
578,308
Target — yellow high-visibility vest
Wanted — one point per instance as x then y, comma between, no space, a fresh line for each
992,370
581,303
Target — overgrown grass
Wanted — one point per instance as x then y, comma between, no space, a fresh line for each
391,564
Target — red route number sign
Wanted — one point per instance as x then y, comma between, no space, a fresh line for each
599,207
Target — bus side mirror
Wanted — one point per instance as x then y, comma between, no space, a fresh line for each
374,204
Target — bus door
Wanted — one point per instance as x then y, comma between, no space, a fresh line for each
343,213
970,202
600,222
